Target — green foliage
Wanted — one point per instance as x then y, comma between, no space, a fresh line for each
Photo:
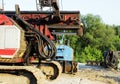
90,53
117,39
117,30
73,40
117,43
98,34
98,37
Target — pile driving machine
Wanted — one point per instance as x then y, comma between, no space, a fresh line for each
27,40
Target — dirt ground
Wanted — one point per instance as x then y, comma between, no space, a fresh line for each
89,75
85,75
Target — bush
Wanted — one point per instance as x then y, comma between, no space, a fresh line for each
90,53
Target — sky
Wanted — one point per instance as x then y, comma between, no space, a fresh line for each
108,10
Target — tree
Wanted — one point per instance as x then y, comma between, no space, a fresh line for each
98,34
117,39
90,53
97,38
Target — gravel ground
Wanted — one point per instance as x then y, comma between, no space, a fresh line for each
85,75
73,79
89,75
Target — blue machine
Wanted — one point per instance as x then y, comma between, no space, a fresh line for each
64,52
65,57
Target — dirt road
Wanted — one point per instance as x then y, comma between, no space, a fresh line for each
89,75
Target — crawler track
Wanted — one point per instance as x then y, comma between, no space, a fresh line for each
34,75
51,69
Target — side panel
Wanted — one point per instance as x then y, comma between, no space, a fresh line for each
64,53
12,37
9,41
2,39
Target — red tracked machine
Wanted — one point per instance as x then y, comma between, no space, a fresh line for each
26,41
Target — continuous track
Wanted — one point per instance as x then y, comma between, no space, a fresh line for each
34,74
51,69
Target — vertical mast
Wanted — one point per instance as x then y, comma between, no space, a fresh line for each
2,5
